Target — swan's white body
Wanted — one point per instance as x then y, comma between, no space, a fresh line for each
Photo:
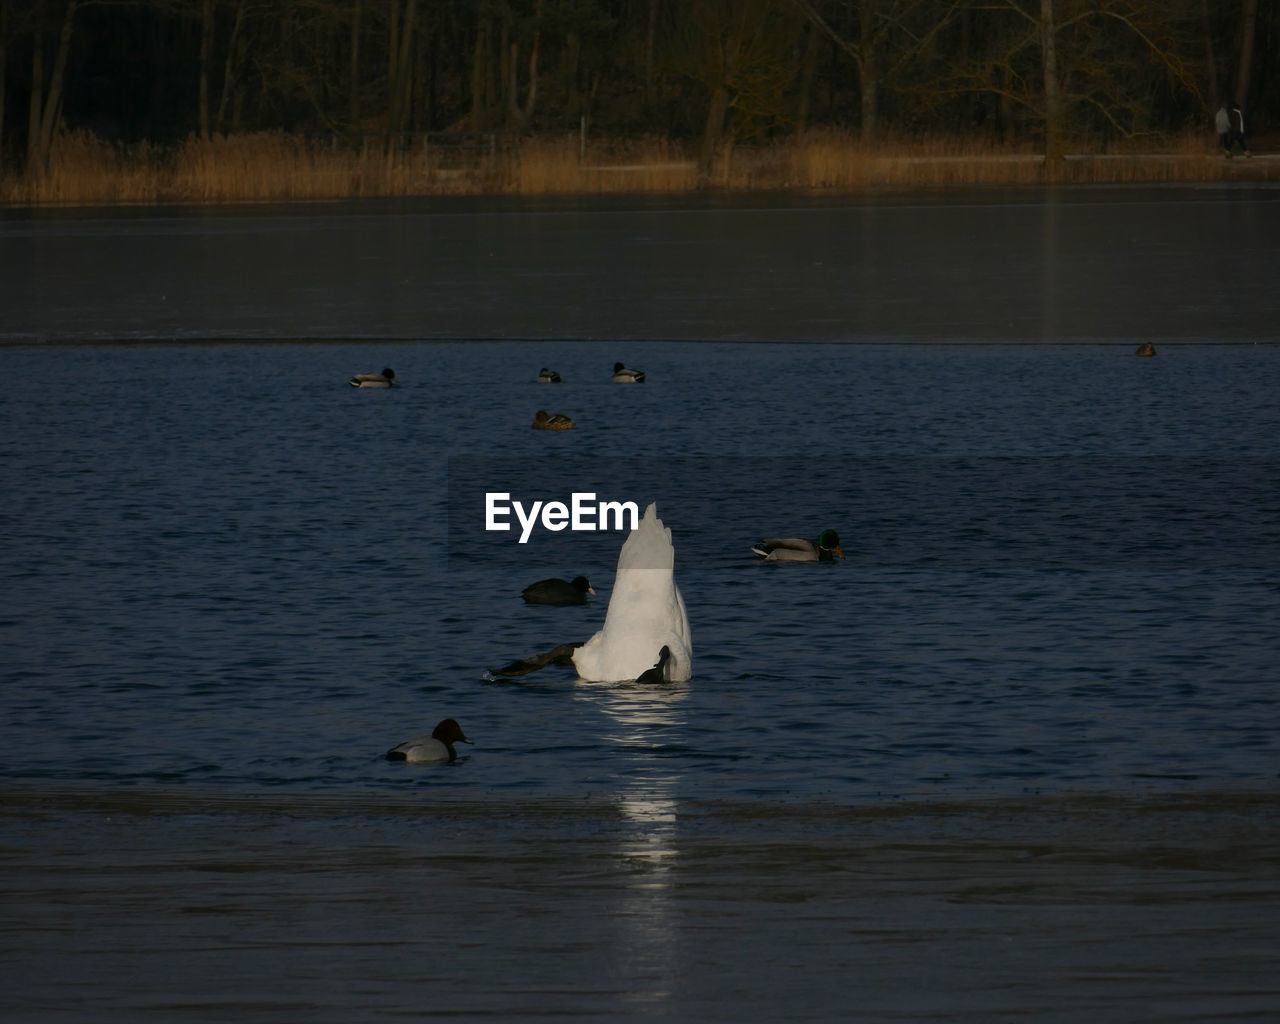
645,613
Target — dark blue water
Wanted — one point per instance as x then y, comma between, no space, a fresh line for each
1016,756
235,578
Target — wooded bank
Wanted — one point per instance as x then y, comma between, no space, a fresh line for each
707,77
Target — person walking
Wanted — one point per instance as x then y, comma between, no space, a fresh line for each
1237,131
1223,123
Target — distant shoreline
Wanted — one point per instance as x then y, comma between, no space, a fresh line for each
271,167
1124,345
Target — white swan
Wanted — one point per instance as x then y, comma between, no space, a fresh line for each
646,613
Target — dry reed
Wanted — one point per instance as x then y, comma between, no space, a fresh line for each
277,167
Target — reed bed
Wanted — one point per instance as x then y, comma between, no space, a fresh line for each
275,167
565,165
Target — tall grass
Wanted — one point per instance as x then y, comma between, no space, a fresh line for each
565,165
275,167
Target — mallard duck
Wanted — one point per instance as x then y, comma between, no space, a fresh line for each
557,591
646,613
544,420
622,375
546,376
375,380
797,549
436,747
1146,349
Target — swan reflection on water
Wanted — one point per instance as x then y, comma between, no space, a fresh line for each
641,721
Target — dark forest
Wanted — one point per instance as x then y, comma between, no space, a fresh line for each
1059,72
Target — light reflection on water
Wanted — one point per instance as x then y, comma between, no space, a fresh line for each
273,908
639,720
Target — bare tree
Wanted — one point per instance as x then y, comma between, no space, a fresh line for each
7,33
882,38
740,50
46,90
235,45
1248,29
400,53
518,113
1077,65
206,56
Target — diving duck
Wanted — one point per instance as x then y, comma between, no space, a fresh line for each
546,376
544,420
557,591
623,375
375,380
1146,349
797,549
436,747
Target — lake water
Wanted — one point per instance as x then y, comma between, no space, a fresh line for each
1015,757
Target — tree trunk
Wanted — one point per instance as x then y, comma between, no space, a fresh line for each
1210,62
229,68
1052,97
571,57
648,55
868,85
717,110
1248,28
520,114
809,67
353,99
481,75
400,76
206,55
429,83
46,105
4,52
36,105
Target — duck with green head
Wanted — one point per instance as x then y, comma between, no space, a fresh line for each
375,380
623,374
798,549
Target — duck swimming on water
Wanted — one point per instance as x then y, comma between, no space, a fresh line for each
544,420
375,380
798,549
557,591
623,375
546,376
436,747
